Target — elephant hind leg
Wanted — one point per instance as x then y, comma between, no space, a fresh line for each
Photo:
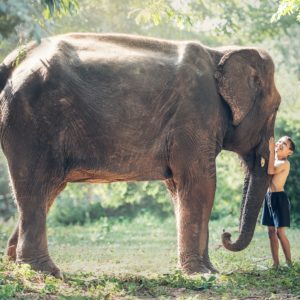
36,183
13,240
12,244
32,247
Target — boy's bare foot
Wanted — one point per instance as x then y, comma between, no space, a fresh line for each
289,264
275,266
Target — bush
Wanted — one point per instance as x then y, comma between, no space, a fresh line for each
291,126
77,204
7,206
230,178
82,203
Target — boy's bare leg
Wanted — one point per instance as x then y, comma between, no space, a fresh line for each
274,245
285,244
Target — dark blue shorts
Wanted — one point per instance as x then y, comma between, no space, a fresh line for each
276,210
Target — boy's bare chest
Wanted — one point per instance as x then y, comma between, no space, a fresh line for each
278,181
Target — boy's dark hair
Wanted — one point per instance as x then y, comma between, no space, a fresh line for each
292,144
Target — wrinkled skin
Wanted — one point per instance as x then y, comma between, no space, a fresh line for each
106,108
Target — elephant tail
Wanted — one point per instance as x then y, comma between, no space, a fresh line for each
12,60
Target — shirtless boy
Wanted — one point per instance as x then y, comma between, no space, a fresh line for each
276,211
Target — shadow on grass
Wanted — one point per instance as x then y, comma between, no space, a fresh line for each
140,286
23,283
282,283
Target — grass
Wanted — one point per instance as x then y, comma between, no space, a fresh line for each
115,259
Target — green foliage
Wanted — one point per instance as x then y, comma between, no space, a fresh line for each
7,207
78,204
291,127
155,12
287,7
81,203
8,21
232,19
30,18
230,178
59,8
21,280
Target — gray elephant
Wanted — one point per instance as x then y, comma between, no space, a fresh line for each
107,108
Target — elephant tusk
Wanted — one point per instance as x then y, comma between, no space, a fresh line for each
262,162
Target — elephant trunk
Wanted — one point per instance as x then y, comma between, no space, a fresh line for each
245,190
255,188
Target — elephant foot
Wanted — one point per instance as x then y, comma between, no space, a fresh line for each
45,265
209,264
11,252
194,266
211,267
198,265
191,269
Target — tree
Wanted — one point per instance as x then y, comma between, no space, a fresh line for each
221,18
24,20
7,207
287,7
31,16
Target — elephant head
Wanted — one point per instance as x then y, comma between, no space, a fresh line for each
245,80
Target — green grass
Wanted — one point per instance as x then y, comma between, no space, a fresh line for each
116,259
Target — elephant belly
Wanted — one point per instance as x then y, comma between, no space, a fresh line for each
123,174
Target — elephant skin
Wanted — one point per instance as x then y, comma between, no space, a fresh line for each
106,108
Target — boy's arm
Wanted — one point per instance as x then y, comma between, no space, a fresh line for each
271,164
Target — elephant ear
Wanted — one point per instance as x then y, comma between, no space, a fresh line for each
238,81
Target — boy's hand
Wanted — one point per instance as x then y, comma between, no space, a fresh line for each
272,144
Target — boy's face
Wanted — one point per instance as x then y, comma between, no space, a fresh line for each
282,147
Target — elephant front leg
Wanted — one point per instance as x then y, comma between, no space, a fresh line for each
206,258
194,204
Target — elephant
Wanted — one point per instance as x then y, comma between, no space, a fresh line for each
101,108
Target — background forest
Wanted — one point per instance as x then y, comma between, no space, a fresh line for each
213,23
122,242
